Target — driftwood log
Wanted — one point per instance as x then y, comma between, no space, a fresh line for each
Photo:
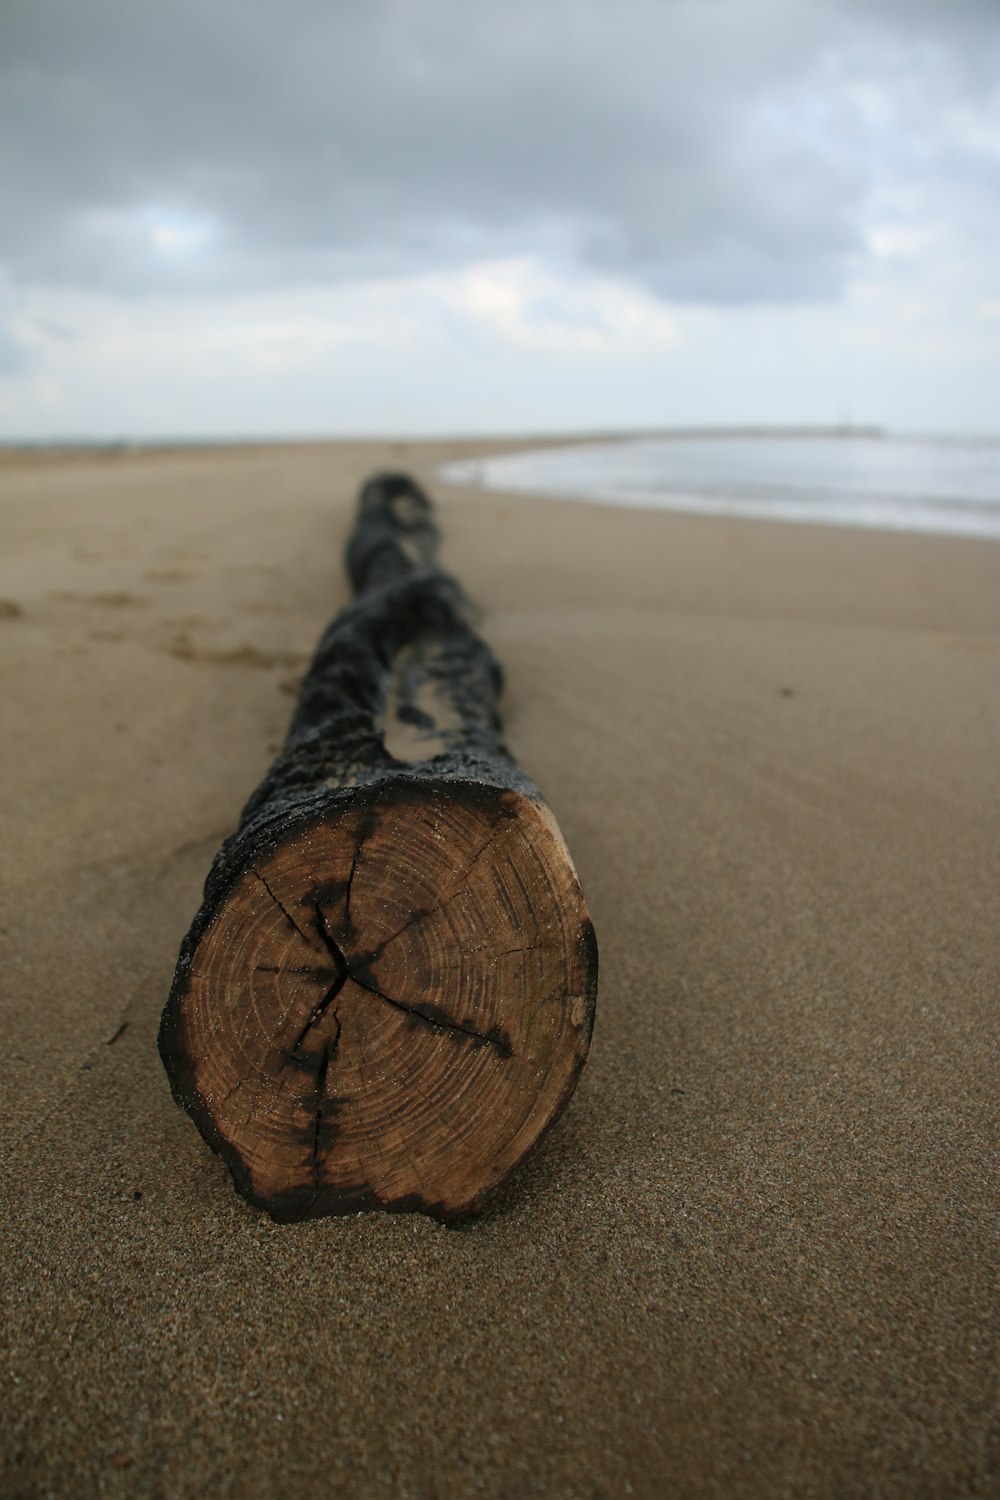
388,991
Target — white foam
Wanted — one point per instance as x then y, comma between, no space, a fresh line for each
946,485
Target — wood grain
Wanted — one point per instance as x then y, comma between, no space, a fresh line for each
388,993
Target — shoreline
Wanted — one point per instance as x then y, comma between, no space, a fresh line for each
637,474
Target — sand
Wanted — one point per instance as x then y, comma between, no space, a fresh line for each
758,1254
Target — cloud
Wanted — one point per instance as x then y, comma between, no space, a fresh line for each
721,151
14,352
430,215
13,357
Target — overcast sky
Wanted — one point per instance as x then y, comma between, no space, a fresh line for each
454,215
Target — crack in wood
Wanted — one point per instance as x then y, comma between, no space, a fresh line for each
341,974
350,885
316,970
329,1053
283,909
433,1015
235,1088
418,916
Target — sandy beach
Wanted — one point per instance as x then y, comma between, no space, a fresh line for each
758,1254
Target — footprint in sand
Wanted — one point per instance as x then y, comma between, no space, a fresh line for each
10,609
245,655
263,607
116,599
167,575
184,623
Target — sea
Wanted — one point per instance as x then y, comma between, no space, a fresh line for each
867,478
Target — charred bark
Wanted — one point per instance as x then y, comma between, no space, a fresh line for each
388,991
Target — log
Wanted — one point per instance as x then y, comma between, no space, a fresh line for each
388,992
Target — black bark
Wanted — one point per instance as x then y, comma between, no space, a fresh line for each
335,754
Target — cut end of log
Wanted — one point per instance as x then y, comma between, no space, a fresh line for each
390,1008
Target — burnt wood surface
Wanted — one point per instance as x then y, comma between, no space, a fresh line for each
388,991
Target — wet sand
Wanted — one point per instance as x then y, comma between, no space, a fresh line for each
758,1254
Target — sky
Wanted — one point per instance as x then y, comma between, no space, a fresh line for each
455,216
